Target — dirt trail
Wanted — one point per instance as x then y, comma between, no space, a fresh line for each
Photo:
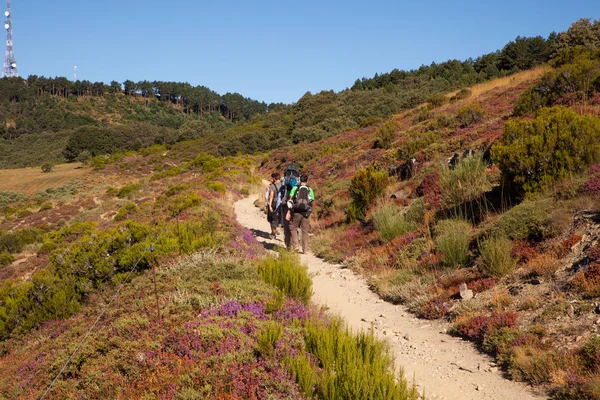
446,367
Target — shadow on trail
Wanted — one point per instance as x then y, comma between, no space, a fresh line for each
259,234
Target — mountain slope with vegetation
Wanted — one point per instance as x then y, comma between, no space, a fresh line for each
478,205
481,208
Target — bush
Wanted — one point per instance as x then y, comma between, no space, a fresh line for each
46,206
6,258
452,240
129,190
288,275
590,355
385,134
390,221
125,211
416,143
496,256
469,115
218,187
47,167
530,220
437,100
467,182
477,328
354,366
435,308
366,186
539,153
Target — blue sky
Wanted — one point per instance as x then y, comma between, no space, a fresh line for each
269,50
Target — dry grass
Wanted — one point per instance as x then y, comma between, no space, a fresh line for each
32,180
507,81
544,265
500,299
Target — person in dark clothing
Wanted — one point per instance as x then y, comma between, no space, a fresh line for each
299,210
272,216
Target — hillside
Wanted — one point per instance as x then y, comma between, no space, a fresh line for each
493,225
472,199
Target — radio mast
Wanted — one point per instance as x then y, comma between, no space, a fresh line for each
10,63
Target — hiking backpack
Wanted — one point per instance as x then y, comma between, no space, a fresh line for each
291,178
302,199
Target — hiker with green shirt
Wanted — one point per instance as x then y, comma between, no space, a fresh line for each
299,210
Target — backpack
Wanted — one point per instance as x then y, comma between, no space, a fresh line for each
302,201
291,176
275,201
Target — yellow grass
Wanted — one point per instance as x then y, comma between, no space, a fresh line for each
29,181
507,81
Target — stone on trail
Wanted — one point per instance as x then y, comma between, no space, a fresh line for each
465,293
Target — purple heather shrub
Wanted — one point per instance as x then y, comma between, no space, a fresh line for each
292,309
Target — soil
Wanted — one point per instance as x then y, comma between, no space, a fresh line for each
442,366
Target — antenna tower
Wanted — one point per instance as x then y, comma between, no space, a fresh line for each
74,72
10,63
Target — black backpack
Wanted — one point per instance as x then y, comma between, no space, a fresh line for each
302,201
291,176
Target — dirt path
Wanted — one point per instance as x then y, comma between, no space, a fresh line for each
446,367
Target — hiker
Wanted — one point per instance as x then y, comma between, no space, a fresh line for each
267,190
291,176
272,216
299,210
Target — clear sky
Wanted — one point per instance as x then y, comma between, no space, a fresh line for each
270,50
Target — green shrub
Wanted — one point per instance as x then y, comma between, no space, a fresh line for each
385,134
452,240
390,221
288,275
47,167
496,257
218,187
416,211
129,190
182,202
46,206
467,182
268,337
469,115
6,258
462,94
175,189
540,152
14,242
304,374
417,142
125,211
437,100
366,186
529,220
354,366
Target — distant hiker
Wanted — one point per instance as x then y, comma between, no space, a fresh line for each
291,177
272,215
299,210
267,197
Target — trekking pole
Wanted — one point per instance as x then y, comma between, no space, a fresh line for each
153,262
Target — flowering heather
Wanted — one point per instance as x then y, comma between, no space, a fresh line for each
293,309
430,189
476,328
591,187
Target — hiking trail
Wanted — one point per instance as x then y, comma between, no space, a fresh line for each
446,367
